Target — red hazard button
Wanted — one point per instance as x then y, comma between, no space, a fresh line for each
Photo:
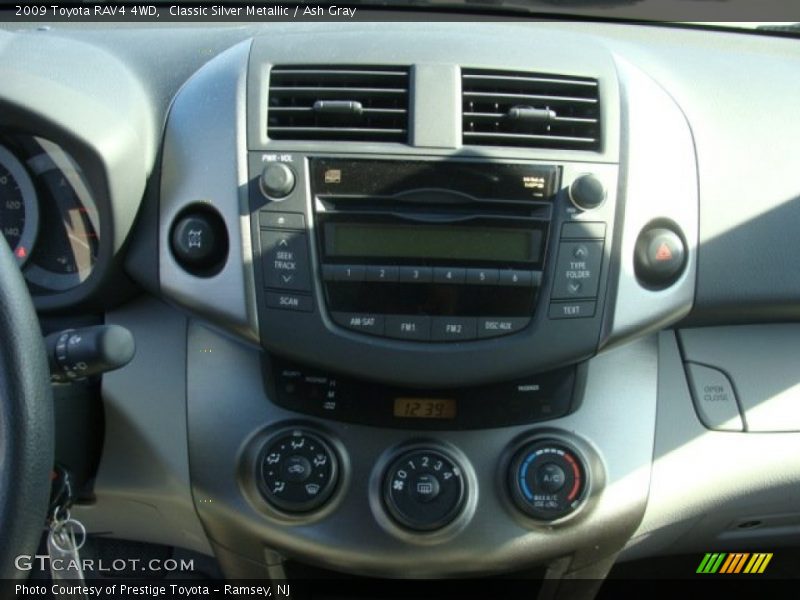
663,253
660,257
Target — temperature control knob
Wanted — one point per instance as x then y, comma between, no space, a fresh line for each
277,180
424,489
298,471
547,479
587,192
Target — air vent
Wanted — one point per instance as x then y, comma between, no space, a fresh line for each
342,103
504,108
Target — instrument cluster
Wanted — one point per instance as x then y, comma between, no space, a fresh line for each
48,214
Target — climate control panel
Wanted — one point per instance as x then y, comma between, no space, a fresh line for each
422,487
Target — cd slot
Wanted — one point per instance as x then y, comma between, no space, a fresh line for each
376,205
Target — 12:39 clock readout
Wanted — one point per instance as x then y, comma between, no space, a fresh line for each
425,408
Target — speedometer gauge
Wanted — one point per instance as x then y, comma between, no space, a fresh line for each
19,209
65,256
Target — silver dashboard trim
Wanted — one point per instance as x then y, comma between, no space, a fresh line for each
205,162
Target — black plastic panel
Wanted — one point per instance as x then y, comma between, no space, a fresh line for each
324,394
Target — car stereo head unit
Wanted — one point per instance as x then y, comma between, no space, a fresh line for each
387,259
424,250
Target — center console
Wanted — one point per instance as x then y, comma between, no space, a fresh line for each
423,301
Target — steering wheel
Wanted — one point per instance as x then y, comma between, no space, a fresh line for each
26,420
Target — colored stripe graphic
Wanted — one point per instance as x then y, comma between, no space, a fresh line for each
711,562
758,563
734,563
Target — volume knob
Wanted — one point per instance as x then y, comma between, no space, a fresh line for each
277,180
587,192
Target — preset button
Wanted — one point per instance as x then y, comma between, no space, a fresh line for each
382,273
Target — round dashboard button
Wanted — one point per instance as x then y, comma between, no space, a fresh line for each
548,480
296,468
659,257
298,471
550,477
424,489
277,180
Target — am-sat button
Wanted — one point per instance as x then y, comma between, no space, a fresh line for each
363,322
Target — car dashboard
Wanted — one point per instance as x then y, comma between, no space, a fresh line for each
420,299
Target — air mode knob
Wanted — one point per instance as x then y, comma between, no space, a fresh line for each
548,480
298,471
277,180
587,192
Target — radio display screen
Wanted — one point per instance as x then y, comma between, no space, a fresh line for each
383,240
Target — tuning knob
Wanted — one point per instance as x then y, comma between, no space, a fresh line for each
587,192
277,180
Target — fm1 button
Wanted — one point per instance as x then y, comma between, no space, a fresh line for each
659,257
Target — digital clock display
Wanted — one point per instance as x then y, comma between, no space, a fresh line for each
425,408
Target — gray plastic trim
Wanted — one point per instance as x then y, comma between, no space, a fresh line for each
435,124
142,490
705,483
615,424
761,363
658,182
205,161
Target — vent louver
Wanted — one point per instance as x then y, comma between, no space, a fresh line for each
342,103
502,108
